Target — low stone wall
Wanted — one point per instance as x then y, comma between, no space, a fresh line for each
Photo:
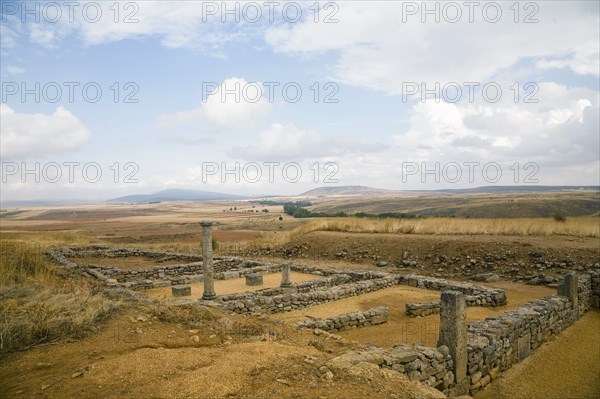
430,366
497,343
595,289
493,345
289,301
346,321
156,276
475,295
295,288
584,292
422,308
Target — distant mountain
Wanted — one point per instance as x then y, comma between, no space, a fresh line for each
346,190
176,195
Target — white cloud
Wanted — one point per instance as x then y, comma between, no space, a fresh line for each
245,111
30,135
289,142
43,35
562,127
379,51
12,70
177,24
224,109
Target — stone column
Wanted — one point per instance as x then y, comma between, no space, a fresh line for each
207,261
453,334
568,288
285,276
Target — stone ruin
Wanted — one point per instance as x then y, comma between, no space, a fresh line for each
468,355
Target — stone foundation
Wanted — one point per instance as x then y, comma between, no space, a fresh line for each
254,279
181,290
346,321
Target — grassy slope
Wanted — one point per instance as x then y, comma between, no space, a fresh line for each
479,205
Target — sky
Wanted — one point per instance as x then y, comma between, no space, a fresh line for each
108,98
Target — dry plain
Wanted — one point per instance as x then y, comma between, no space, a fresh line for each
68,336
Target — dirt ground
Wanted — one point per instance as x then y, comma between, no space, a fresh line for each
136,357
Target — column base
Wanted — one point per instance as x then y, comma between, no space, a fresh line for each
285,285
209,297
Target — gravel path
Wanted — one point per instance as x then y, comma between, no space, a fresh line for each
566,368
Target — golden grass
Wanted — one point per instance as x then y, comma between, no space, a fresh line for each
575,226
588,226
36,306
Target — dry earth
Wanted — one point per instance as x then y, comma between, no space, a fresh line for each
135,356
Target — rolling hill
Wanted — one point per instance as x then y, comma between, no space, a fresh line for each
176,195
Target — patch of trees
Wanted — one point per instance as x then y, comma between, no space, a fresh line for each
272,202
299,212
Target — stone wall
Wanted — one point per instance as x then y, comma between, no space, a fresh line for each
584,292
493,345
156,276
290,301
475,295
346,321
595,289
430,366
422,308
497,343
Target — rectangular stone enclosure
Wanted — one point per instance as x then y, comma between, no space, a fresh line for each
254,279
181,290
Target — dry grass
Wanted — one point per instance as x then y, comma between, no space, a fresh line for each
587,226
576,226
30,317
36,306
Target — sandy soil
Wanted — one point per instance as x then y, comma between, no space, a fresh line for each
567,367
158,360
223,287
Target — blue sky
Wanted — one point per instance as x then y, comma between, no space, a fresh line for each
370,61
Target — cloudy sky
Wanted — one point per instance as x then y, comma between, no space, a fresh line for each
105,98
